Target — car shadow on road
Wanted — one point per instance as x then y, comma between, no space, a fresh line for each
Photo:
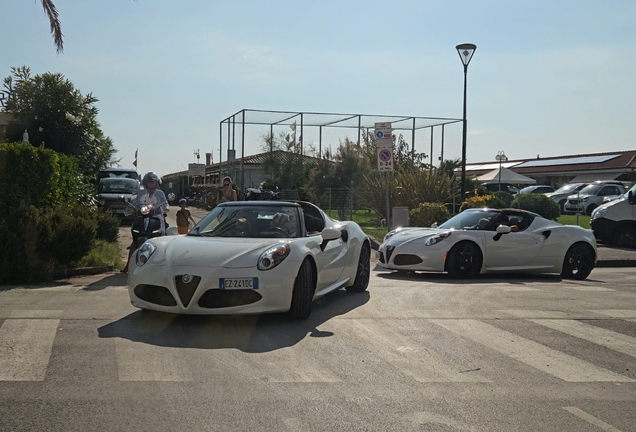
248,333
514,278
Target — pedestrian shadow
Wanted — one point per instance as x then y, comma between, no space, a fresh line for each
248,333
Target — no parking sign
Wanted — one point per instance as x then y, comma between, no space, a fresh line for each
385,159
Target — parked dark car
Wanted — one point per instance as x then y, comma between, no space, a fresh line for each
537,189
505,187
115,192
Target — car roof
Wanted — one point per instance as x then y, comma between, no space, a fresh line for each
118,179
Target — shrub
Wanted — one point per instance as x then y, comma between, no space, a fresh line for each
537,203
428,213
73,234
483,201
107,227
506,197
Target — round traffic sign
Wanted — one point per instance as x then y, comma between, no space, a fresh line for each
385,155
379,134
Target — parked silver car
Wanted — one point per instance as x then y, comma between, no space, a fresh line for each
592,196
561,195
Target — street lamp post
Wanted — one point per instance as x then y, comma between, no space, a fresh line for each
501,157
466,52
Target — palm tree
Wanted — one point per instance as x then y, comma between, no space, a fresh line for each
56,27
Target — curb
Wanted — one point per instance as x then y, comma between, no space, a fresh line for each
616,263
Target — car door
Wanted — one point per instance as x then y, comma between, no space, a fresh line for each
515,249
331,258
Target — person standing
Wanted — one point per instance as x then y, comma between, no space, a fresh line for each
183,217
227,192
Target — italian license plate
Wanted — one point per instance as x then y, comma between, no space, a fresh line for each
230,283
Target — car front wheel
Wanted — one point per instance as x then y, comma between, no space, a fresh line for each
578,262
464,260
303,292
364,270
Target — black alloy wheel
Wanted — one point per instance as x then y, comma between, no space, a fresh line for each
578,262
363,274
464,260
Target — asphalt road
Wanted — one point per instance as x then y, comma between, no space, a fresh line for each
421,352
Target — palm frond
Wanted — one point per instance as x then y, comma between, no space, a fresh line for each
56,26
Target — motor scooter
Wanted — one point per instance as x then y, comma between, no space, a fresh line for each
145,225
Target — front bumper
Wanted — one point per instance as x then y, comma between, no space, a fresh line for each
163,288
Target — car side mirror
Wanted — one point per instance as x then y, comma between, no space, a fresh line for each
329,234
503,229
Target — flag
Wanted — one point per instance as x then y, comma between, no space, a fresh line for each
300,142
135,161
293,139
293,126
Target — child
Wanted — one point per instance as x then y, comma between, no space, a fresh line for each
182,217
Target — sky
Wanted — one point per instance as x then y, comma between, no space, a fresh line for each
548,78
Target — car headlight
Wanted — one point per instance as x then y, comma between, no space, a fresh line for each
273,256
102,202
598,212
391,233
586,199
145,252
437,238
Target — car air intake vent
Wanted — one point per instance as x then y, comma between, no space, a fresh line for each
389,252
546,234
215,298
404,259
155,294
186,290
381,258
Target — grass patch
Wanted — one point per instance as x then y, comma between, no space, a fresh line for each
103,254
581,220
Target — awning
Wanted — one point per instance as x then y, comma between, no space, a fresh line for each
589,178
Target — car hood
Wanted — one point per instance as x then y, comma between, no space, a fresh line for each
407,235
210,251
114,196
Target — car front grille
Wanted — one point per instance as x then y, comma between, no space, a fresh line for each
155,294
406,259
216,298
186,290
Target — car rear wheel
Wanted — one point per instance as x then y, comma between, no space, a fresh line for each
364,270
303,292
625,236
464,260
578,262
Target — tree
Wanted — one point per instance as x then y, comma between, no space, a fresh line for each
56,115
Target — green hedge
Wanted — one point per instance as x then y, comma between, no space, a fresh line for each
49,220
483,201
537,203
427,214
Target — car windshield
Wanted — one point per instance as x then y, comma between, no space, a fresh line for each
529,189
250,221
568,188
121,187
471,220
590,190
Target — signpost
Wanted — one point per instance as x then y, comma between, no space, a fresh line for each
384,146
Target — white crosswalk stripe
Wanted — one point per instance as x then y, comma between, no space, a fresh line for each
538,356
607,338
25,348
27,341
